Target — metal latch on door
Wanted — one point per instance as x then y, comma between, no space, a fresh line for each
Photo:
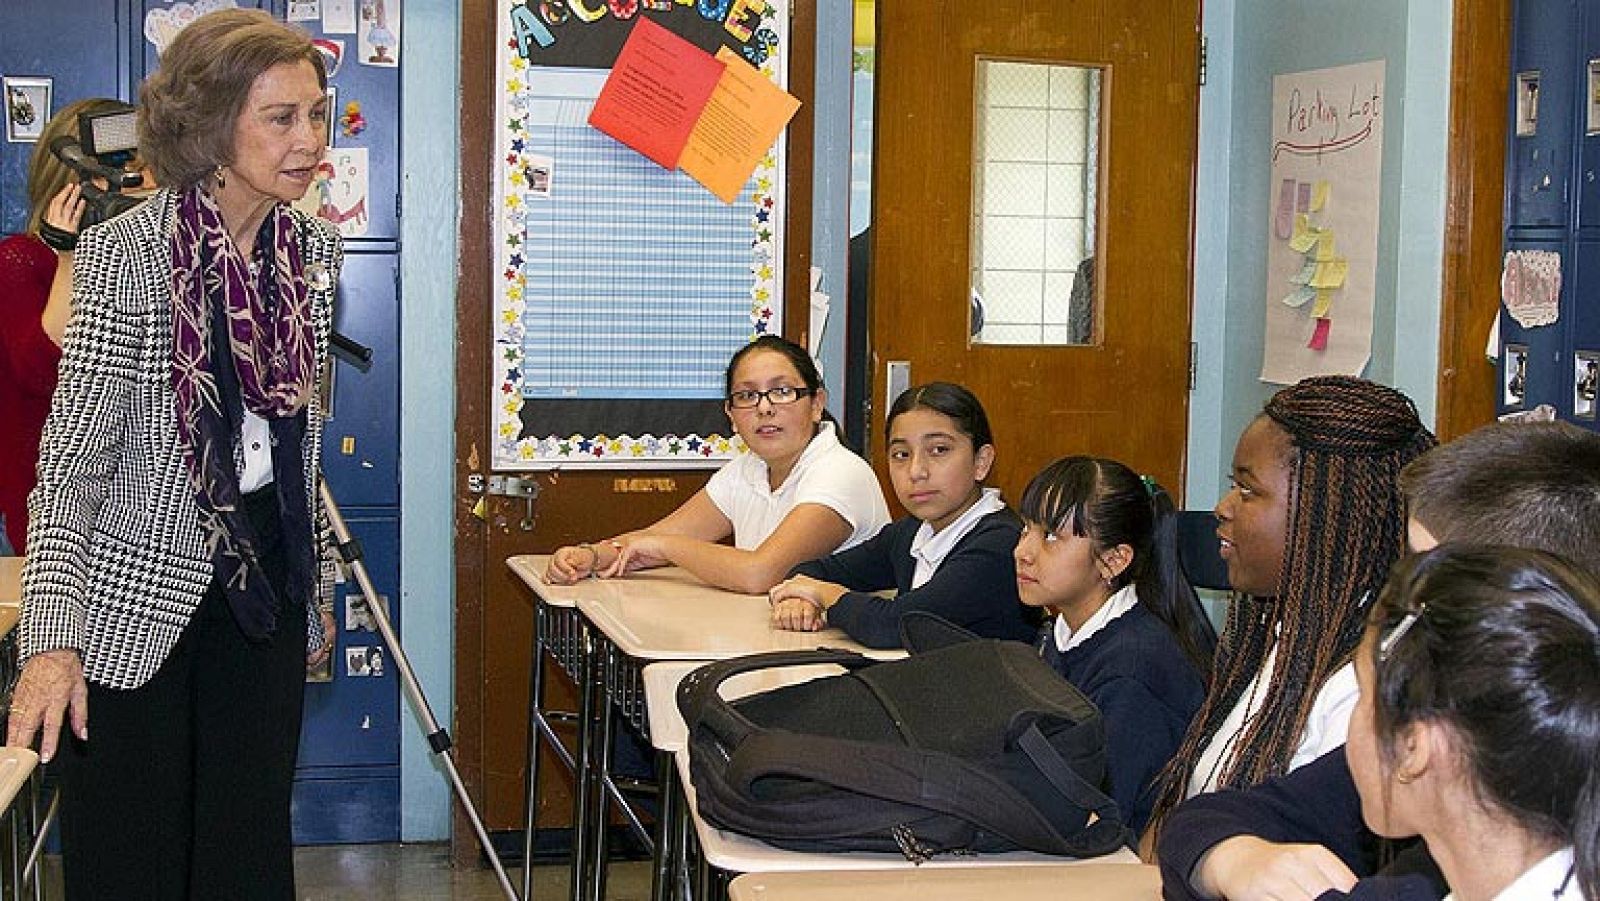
525,487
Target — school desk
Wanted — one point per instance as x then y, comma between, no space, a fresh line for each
1102,882
652,615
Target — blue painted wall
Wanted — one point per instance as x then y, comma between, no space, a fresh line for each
430,97
1250,42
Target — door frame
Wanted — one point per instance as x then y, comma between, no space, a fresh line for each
474,336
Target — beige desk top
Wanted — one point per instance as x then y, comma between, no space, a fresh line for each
16,765
10,580
1102,882
668,614
738,853
669,733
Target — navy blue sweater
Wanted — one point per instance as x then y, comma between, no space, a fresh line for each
1316,804
975,587
1134,671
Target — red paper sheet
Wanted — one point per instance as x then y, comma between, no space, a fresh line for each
655,92
1319,337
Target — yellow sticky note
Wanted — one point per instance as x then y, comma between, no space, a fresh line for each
1330,274
1319,196
1325,252
1304,235
1324,300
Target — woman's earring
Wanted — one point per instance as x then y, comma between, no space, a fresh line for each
222,178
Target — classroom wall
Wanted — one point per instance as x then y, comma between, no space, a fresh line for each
430,98
1250,41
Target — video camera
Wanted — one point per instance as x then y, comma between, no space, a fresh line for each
106,142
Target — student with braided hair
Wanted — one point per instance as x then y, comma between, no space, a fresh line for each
1309,530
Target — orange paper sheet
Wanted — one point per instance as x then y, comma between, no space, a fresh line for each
742,119
656,92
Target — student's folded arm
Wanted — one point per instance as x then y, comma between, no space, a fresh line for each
869,566
965,589
1316,804
809,531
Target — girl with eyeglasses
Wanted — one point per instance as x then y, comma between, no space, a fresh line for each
797,495
950,557
1478,726
1099,547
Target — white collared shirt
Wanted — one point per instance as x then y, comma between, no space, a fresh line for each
827,473
1547,879
929,548
1116,605
1325,730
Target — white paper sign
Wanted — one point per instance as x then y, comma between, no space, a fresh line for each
339,191
338,16
378,33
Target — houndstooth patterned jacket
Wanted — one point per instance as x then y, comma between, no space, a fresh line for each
116,558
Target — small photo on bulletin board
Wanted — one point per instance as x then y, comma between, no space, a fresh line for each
1586,379
1514,377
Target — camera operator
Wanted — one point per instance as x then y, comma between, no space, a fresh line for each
35,298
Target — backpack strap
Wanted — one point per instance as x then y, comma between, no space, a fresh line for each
698,698
1067,781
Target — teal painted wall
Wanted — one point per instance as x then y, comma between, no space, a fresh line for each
430,99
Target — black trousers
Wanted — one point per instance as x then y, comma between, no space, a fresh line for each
182,790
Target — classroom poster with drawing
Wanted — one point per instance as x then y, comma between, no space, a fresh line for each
1322,227
339,190
622,287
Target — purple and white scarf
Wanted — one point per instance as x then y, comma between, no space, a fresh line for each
273,348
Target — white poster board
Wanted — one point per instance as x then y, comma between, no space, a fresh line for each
1322,227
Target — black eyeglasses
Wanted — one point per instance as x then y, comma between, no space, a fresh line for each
779,396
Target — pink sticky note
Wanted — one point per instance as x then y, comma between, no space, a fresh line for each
1319,337
1302,201
656,91
1283,222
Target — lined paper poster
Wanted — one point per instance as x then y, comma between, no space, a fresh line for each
623,287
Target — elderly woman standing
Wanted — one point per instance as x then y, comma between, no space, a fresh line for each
173,553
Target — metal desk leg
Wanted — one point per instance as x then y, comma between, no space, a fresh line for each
535,728
585,780
598,844
661,881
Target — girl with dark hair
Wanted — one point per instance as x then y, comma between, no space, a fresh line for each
950,557
798,493
1479,721
1099,546
1309,530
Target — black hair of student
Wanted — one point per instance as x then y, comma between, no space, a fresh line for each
797,356
1505,651
1108,503
952,400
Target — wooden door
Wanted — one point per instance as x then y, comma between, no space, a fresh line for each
494,612
1125,395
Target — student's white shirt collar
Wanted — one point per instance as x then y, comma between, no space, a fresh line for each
929,548
821,443
1115,606
1542,881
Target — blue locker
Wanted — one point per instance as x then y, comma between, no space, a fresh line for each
1583,334
1543,86
361,444
78,46
1545,345
143,53
1587,122
377,90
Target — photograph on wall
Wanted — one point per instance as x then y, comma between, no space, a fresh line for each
1514,377
1585,380
27,108
1322,225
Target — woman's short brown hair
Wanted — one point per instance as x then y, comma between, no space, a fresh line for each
188,108
47,175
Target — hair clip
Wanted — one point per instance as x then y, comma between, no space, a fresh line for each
1150,486
1386,643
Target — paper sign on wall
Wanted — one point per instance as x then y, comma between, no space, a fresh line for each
339,191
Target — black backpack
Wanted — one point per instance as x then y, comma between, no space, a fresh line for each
971,746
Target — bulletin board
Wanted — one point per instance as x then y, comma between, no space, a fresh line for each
1322,242
622,288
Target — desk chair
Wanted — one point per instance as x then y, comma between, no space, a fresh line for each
1199,551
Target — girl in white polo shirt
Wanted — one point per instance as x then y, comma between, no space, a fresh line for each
798,494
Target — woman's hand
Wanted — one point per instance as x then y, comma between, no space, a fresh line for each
51,685
65,210
315,658
636,552
1246,868
798,615
819,593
